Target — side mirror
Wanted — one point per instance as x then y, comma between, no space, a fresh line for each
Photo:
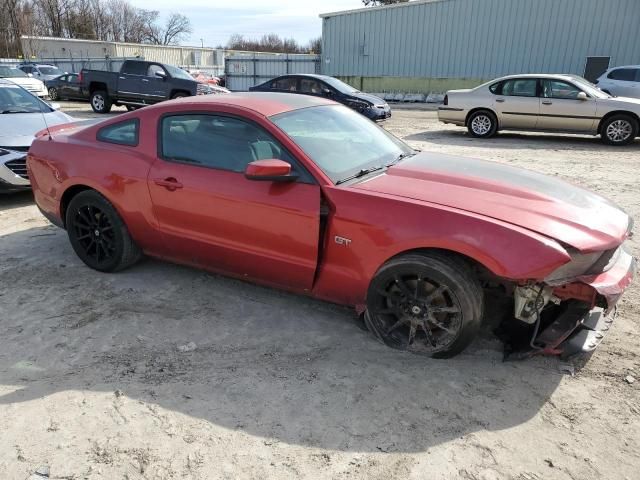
326,92
272,170
582,96
30,75
161,75
55,106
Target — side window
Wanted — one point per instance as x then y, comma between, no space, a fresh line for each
625,74
289,84
496,88
220,142
519,87
309,85
72,79
134,67
153,69
65,78
559,89
122,133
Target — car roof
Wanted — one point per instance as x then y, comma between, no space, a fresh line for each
308,75
565,76
623,66
264,103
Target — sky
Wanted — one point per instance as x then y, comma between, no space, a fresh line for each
214,21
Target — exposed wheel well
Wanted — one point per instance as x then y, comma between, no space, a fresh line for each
176,92
471,112
482,272
66,199
617,112
97,86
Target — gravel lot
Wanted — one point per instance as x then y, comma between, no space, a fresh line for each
93,384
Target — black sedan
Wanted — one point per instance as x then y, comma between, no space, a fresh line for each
67,87
370,106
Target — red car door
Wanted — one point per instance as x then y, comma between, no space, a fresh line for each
210,214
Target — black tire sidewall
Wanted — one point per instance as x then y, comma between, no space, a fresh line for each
608,121
91,197
460,283
494,124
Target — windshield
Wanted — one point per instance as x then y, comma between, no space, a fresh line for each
340,85
10,72
50,71
176,72
15,99
340,141
589,87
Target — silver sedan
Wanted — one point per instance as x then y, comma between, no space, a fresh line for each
550,103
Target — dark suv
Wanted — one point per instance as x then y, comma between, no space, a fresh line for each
370,106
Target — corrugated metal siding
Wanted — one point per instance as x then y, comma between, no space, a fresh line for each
246,70
481,38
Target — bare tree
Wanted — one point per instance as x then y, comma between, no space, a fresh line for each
175,30
374,3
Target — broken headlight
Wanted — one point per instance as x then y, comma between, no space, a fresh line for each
583,264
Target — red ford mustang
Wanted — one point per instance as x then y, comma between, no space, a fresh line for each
304,194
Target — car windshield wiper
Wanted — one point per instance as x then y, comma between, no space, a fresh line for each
361,173
401,157
15,111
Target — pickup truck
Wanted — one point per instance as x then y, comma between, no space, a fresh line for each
138,83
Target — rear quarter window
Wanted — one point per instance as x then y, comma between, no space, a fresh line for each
496,88
121,133
625,74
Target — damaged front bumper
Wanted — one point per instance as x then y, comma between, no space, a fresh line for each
590,311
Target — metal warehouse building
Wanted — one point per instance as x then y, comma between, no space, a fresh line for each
435,45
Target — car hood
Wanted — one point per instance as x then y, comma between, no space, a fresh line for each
26,82
622,102
18,129
368,97
540,203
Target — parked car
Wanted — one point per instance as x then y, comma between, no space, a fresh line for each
621,81
18,77
42,72
67,87
368,105
138,83
204,77
22,115
550,103
304,194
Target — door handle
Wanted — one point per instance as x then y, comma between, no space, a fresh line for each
169,183
500,100
547,102
145,80
121,78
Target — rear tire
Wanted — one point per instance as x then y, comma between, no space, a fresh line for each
482,124
98,235
100,101
131,108
619,130
430,304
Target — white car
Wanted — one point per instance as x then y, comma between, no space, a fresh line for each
22,115
42,72
17,76
543,102
621,81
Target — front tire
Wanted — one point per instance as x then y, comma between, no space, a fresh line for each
179,95
100,102
53,93
482,124
430,304
619,130
98,235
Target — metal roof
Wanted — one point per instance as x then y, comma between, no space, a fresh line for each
381,7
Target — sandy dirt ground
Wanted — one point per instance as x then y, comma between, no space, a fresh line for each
93,383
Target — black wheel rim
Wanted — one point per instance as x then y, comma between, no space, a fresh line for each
418,314
94,234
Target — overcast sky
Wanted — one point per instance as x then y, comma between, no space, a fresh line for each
215,20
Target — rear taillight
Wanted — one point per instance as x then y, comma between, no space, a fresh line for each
80,77
446,99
